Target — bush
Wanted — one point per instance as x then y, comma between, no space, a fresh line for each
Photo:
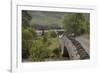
26,34
39,51
27,41
56,51
45,38
53,34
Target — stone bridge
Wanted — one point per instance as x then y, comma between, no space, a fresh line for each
73,48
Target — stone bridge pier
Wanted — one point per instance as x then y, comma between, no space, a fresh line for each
65,43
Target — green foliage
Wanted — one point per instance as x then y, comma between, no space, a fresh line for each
26,45
43,48
53,34
75,23
45,38
56,51
27,38
26,16
25,23
39,50
32,31
28,34
25,19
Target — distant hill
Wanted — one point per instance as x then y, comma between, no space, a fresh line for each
49,18
46,18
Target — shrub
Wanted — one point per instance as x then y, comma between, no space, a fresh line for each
27,41
53,34
39,51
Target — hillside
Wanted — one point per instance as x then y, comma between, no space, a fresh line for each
46,18
49,19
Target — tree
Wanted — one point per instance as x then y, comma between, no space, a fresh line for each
28,34
75,23
25,19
